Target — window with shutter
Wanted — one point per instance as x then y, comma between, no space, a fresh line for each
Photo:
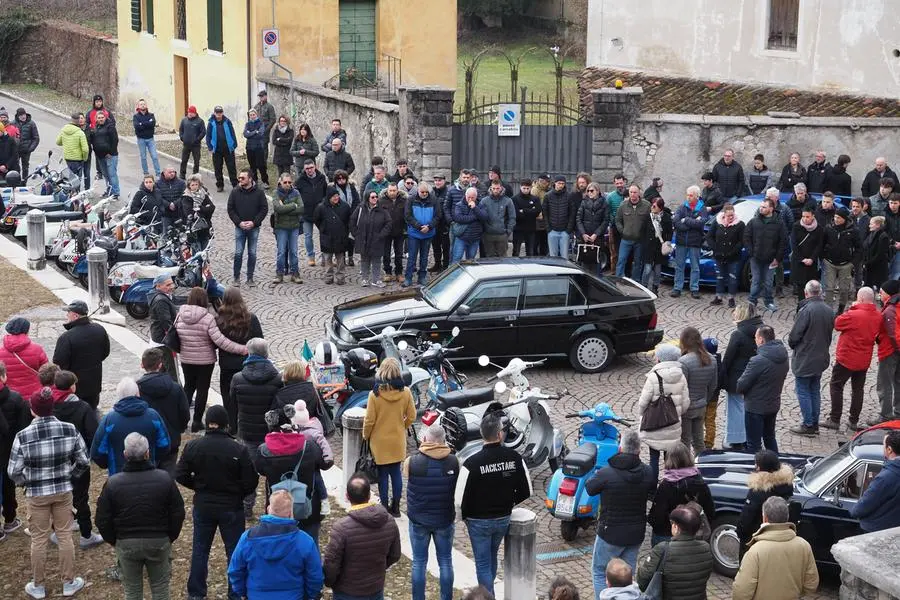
136,15
784,21
214,39
148,11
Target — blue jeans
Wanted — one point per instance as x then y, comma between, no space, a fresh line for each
417,247
735,433
145,146
682,253
603,553
391,471
76,166
462,248
286,239
760,427
308,239
342,596
631,249
241,238
727,276
486,536
809,395
230,525
558,242
110,166
651,275
761,281
419,538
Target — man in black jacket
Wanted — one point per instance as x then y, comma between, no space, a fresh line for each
170,188
247,208
625,484
191,132
817,173
528,207
105,142
559,214
338,159
841,251
873,178
765,239
312,185
497,480
140,511
729,174
82,349
162,318
440,246
219,470
29,138
166,396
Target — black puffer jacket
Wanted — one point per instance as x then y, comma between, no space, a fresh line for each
141,502
558,211
592,218
763,380
726,242
164,395
17,415
191,131
625,484
147,200
253,390
171,191
762,485
299,390
218,468
370,227
282,143
105,140
816,176
79,413
892,224
730,178
765,239
689,563
234,362
333,222
312,191
82,349
796,206
842,244
397,209
162,315
741,348
839,182
28,135
790,178
672,492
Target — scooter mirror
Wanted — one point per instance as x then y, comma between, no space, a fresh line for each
500,387
484,360
455,331
389,330
402,345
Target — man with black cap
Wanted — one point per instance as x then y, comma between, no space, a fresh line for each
219,470
841,250
191,132
559,215
97,108
162,317
82,348
221,142
266,113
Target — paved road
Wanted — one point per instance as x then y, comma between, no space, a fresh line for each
293,313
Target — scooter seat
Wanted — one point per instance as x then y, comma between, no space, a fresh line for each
47,206
359,383
465,398
59,216
152,271
580,461
473,431
137,255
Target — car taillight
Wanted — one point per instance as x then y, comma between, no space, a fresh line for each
568,487
654,318
430,417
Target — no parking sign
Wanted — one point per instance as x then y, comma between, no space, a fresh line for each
509,121
270,43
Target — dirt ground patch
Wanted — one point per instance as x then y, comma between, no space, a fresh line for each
18,291
15,559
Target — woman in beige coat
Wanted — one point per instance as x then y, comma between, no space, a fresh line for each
669,370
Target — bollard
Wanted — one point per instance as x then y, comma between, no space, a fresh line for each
97,280
352,421
519,558
37,252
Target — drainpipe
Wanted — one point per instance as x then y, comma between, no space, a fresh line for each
250,38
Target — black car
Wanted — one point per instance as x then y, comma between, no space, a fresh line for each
825,489
514,307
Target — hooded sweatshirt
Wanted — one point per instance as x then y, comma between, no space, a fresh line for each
199,336
70,408
389,414
22,358
632,592
164,395
127,416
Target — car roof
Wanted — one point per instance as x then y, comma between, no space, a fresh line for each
869,445
512,266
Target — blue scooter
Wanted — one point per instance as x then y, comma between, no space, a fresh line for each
194,273
567,499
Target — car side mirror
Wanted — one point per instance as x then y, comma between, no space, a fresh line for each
463,310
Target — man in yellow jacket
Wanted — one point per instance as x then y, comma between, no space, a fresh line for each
74,144
776,550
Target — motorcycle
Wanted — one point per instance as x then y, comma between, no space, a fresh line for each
434,358
567,498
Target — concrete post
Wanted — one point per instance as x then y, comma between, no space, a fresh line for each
519,558
352,420
426,129
37,253
97,280
615,111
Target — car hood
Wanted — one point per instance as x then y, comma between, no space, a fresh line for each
385,308
723,469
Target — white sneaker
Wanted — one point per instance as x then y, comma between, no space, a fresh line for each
378,284
35,591
70,588
364,283
325,510
89,542
11,526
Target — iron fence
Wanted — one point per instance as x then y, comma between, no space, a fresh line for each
377,80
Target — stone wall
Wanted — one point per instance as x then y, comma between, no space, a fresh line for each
614,115
426,128
67,58
869,565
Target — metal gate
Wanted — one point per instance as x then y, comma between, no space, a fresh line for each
554,138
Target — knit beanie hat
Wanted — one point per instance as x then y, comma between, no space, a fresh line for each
217,415
272,419
301,414
42,402
18,325
891,287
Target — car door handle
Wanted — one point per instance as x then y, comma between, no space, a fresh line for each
511,317
578,312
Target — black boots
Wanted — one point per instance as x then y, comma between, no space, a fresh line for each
395,508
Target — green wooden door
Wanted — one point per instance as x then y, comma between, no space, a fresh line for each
357,41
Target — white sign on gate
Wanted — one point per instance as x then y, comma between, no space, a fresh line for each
509,120
270,43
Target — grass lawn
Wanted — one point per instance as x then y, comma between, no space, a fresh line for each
20,292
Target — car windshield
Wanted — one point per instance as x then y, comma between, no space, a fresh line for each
820,473
445,291
746,210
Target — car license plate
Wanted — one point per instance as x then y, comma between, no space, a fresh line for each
565,505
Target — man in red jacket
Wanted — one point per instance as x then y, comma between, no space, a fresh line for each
888,386
859,328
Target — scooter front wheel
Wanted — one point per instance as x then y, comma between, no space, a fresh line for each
569,530
138,310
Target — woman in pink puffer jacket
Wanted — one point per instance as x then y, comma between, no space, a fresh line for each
199,335
22,358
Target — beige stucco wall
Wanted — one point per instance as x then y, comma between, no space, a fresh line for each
147,63
844,45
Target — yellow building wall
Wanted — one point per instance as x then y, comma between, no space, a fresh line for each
310,39
147,63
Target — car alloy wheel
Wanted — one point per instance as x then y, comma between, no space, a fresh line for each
725,545
591,353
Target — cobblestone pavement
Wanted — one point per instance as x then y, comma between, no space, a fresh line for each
292,313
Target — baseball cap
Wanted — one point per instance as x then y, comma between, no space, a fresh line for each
78,307
441,177
218,109
560,178
192,109
544,176
262,93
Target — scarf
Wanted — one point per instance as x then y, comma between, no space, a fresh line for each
679,474
343,193
282,128
811,227
196,197
656,221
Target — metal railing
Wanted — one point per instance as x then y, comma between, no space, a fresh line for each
377,80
